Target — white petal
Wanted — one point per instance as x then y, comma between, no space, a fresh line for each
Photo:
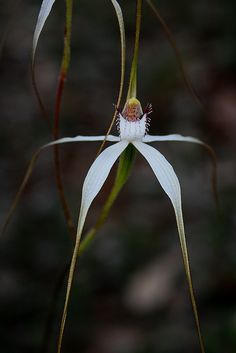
96,177
34,159
163,171
210,151
94,180
169,182
43,15
110,138
173,137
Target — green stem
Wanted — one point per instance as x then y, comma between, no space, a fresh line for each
132,90
67,37
127,158
65,63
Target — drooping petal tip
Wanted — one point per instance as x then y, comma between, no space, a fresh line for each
42,17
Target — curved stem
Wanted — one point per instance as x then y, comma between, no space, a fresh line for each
55,126
122,69
39,98
185,256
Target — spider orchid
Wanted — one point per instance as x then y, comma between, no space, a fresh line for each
132,125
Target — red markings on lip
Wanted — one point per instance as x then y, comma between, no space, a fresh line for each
132,111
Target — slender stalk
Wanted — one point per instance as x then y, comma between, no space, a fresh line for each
60,89
54,128
185,255
39,98
19,191
65,63
132,90
122,68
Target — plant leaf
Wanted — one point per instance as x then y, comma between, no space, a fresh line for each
42,17
170,184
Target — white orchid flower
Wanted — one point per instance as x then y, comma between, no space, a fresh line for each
132,124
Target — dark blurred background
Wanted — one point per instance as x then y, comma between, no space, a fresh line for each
130,293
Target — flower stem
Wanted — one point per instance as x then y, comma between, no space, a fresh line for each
132,90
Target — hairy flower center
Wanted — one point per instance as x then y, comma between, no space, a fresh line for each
132,123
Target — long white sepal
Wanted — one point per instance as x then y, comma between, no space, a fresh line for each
96,177
93,182
29,170
79,138
170,184
120,20
42,17
172,137
209,149
163,171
